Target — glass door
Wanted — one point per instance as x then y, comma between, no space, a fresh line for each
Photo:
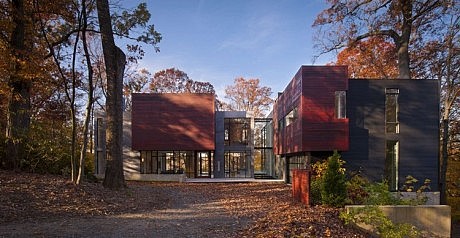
236,165
203,165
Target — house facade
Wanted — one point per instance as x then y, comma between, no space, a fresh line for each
174,133
394,130
309,116
385,129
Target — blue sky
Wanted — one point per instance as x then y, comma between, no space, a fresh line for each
217,41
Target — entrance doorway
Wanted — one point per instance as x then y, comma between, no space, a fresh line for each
236,165
203,164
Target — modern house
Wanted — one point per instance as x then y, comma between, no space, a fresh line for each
386,129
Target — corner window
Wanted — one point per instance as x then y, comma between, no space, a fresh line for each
340,104
291,117
391,110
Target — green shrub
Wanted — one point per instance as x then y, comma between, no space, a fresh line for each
410,186
319,168
48,149
315,191
356,192
333,189
384,227
380,195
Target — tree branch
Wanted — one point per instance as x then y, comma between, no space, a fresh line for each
428,8
391,33
64,39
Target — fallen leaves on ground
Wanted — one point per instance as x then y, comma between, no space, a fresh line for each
261,209
274,213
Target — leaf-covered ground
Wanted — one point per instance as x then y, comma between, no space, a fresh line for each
43,205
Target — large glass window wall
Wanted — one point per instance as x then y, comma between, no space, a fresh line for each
237,165
237,131
191,163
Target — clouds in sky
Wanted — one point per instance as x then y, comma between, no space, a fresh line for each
258,33
218,40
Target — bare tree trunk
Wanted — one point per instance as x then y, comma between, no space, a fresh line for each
70,90
73,110
73,162
89,105
452,93
443,162
115,61
18,116
404,40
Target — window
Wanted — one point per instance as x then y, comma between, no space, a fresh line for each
391,110
175,162
291,117
237,131
100,130
296,162
287,120
226,134
203,164
236,165
149,162
244,136
391,164
340,104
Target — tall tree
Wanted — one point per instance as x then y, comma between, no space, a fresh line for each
346,22
89,103
440,59
176,81
115,60
18,117
372,58
69,77
248,95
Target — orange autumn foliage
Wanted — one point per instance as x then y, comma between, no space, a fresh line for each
373,58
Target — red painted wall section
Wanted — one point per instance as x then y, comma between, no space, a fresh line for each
170,121
315,128
288,139
321,130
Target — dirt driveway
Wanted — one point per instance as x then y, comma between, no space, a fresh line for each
197,220
181,212
46,206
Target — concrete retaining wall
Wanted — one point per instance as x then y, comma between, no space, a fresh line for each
433,218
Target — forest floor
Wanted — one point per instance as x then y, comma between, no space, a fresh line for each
34,205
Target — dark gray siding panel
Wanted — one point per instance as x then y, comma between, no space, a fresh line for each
419,128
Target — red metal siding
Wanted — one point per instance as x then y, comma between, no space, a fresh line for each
170,121
321,130
312,90
289,138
